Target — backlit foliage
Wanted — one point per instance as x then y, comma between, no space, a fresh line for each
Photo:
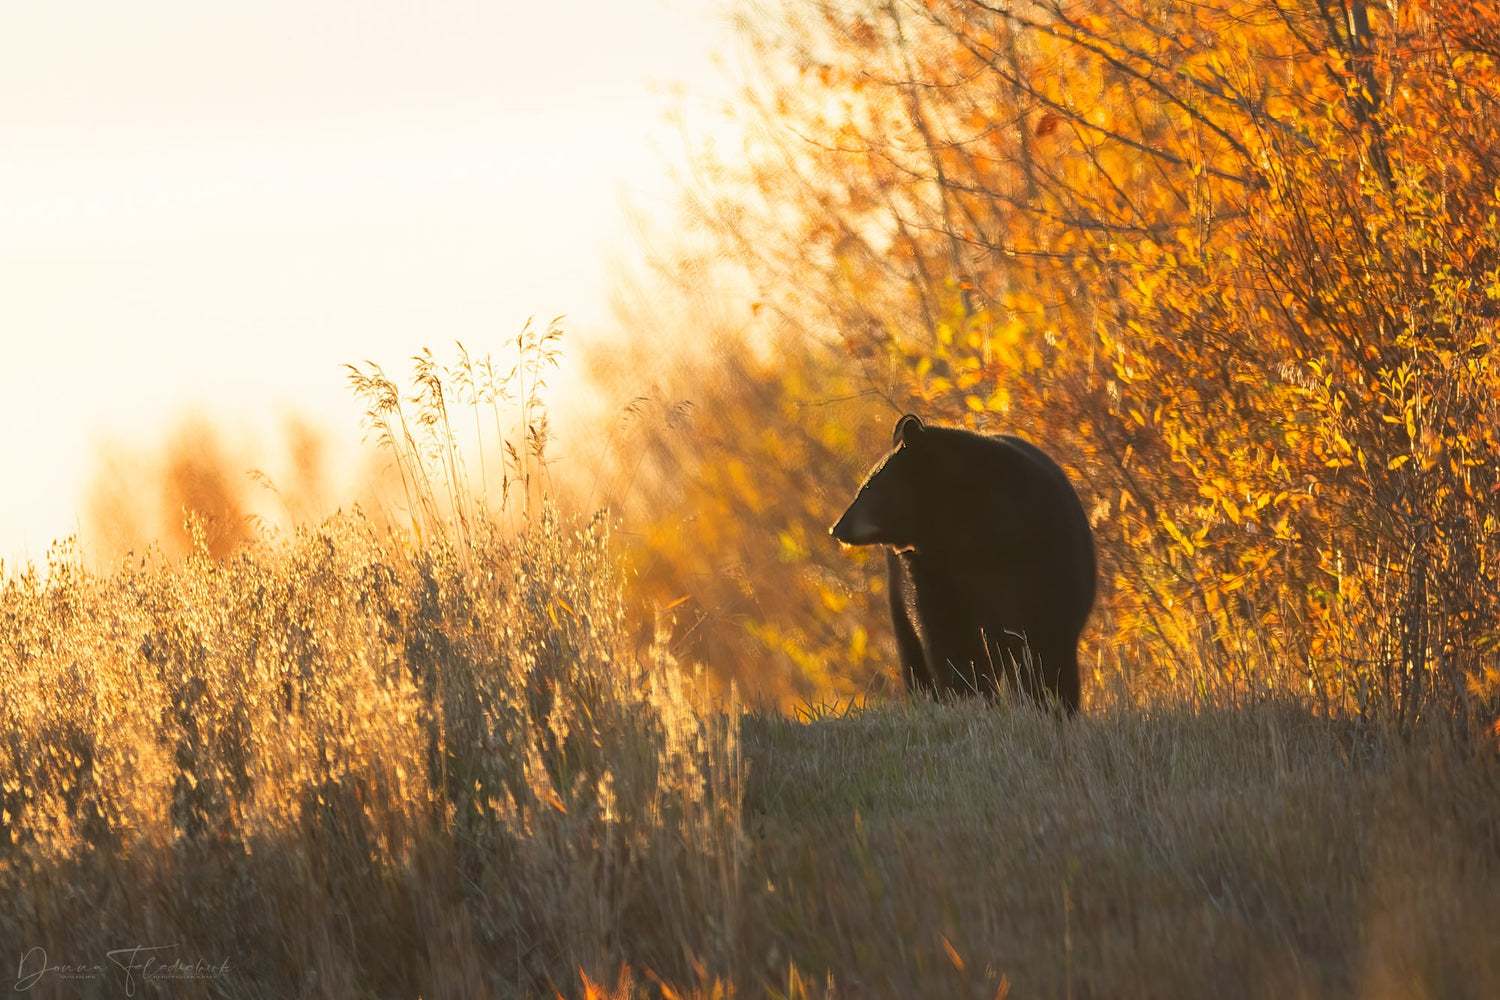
721,477
1234,262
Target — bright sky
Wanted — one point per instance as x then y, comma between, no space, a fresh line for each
215,205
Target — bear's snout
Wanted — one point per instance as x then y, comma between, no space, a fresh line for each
856,527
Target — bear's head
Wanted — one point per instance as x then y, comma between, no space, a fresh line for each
886,509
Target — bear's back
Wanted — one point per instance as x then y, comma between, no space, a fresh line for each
1019,498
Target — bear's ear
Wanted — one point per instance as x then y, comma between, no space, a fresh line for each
908,429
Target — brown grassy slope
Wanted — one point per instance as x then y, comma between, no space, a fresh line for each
1254,853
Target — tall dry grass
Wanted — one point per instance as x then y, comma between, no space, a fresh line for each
348,767
350,761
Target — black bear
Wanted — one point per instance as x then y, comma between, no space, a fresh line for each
991,562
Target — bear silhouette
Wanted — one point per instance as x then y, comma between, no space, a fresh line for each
991,562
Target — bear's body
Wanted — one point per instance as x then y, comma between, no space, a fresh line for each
992,568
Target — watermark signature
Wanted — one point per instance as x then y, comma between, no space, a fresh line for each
136,966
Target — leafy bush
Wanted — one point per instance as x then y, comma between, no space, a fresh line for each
1234,263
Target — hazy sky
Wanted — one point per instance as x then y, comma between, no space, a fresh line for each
215,205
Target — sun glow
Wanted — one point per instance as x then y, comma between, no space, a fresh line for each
210,210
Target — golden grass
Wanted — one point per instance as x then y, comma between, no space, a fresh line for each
347,767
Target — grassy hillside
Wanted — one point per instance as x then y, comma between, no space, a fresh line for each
345,765
960,851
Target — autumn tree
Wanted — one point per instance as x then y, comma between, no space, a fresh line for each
1233,261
